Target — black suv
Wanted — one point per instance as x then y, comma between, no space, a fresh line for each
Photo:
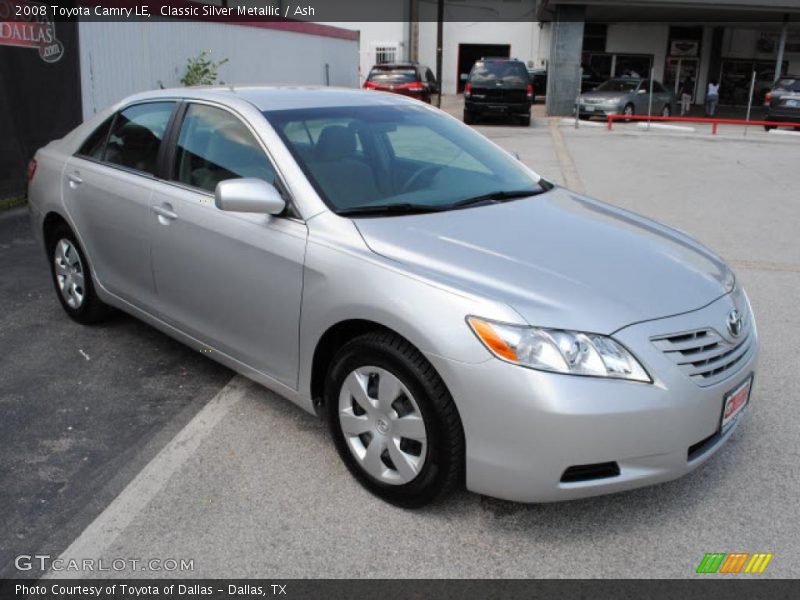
498,86
408,79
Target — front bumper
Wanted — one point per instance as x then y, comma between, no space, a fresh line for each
598,110
524,428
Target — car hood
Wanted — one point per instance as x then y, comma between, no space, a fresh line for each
559,259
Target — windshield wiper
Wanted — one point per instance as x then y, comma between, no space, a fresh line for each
497,196
403,208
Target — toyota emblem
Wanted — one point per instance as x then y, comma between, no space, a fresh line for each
735,323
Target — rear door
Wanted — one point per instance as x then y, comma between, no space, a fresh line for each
231,280
106,189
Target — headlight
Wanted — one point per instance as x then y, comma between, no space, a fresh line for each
559,351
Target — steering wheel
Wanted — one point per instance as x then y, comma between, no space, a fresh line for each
430,170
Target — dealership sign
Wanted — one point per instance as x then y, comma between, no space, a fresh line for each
22,24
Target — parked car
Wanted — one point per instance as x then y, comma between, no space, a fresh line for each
449,312
783,108
788,84
625,96
590,79
498,87
538,79
407,79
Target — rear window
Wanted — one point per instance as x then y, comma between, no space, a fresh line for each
506,71
792,85
393,75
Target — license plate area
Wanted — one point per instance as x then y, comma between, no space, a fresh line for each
734,402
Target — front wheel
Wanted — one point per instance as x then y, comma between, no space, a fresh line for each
393,421
628,110
72,278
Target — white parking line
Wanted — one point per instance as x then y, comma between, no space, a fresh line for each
104,530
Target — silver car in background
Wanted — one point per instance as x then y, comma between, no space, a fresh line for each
454,316
625,96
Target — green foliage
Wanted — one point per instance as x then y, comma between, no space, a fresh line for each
201,70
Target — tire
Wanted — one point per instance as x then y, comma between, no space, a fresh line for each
628,111
72,278
432,460
525,121
666,111
469,118
768,127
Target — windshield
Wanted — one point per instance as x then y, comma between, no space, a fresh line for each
409,157
617,85
393,75
511,72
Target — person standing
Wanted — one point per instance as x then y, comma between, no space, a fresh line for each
712,97
686,92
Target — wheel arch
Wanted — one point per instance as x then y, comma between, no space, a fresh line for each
336,336
50,223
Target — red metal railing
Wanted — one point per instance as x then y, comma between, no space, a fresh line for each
714,121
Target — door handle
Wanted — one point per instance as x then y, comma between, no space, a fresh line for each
165,214
74,179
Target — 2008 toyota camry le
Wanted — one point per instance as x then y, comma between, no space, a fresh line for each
457,318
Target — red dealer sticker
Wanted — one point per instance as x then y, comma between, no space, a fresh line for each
734,402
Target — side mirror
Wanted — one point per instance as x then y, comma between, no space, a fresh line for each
641,91
249,195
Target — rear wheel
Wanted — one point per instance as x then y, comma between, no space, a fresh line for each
393,421
469,118
768,127
72,278
525,120
666,111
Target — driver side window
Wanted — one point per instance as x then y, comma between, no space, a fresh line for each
213,146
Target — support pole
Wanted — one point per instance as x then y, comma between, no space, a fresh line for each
650,97
781,48
439,33
750,99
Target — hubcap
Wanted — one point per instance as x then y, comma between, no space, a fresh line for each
69,273
628,110
382,425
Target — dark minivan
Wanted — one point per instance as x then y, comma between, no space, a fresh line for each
500,87
408,79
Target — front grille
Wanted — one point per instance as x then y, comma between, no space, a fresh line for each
704,355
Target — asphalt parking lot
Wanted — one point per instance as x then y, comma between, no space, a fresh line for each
225,473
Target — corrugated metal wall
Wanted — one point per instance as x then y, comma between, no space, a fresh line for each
118,59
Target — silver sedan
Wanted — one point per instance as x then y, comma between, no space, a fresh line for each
626,96
453,315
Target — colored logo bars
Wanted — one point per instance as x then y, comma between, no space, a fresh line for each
734,562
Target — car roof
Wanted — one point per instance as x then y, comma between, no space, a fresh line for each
396,65
279,97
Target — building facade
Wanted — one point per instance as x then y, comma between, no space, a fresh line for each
724,40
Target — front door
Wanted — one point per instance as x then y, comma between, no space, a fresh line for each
231,280
677,70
